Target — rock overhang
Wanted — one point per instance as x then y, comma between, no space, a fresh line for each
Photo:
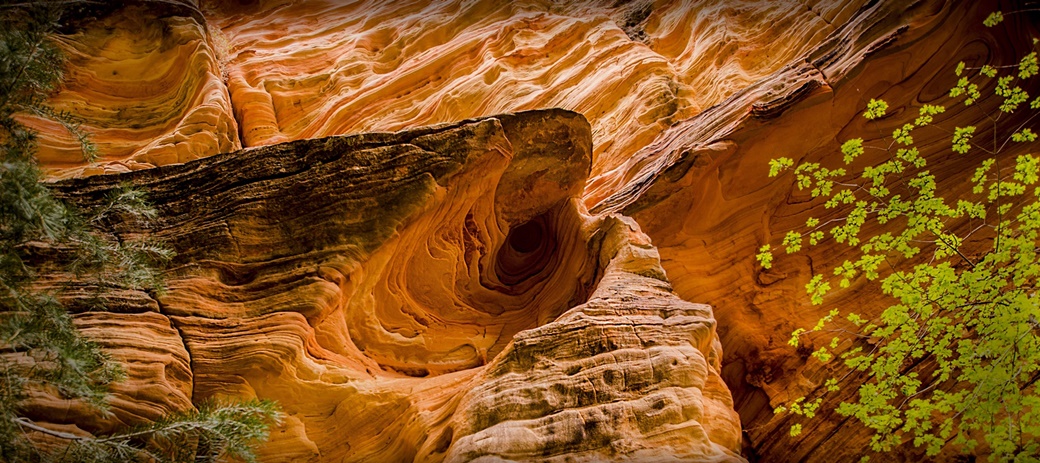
397,273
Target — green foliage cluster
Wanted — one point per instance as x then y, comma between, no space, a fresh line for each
40,347
961,275
213,432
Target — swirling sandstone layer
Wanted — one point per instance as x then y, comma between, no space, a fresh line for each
437,294
701,192
145,81
161,82
416,309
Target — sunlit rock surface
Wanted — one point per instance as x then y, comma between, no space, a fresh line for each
273,71
443,294
437,294
146,82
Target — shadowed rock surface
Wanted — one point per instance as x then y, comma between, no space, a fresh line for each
701,192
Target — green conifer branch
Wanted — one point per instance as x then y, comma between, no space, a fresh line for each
39,344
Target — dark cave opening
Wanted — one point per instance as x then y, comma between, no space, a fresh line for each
529,249
527,237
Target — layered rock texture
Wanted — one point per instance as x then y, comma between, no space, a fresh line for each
444,293
437,294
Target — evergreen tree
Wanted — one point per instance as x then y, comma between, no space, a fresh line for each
40,347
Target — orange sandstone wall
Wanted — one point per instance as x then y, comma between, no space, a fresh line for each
438,294
685,101
148,86
160,84
701,192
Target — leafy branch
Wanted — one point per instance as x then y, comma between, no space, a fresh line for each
953,359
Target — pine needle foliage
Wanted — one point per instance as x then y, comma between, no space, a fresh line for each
961,276
213,432
40,347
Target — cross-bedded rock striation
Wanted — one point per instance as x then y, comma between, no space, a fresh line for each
433,294
417,280
701,192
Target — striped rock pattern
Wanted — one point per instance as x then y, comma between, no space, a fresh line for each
473,308
436,294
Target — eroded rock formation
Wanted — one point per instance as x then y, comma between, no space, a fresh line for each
443,293
146,81
700,192
433,294
275,71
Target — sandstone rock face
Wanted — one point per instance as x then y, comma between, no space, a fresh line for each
275,71
626,376
147,83
701,192
444,293
437,294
